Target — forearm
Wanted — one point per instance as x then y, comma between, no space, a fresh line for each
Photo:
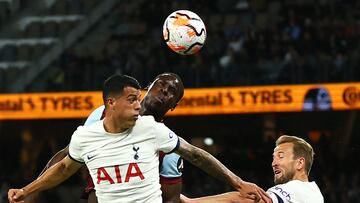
213,167
229,197
50,178
208,163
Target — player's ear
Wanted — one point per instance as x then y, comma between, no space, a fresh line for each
110,101
300,163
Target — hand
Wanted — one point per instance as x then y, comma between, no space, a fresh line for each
184,199
252,191
16,195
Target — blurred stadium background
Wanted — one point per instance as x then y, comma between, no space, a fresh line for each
73,45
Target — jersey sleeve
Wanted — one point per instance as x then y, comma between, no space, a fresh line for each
74,147
276,198
279,193
166,140
96,115
171,166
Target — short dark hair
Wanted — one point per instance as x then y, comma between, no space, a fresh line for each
115,84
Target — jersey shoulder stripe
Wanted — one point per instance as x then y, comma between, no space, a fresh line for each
279,198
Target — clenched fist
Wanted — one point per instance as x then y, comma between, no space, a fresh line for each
16,195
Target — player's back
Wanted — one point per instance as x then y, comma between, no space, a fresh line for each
296,191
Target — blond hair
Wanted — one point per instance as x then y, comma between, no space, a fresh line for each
301,149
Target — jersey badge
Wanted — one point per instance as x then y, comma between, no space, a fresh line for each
136,149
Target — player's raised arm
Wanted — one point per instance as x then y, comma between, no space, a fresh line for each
49,179
212,166
229,197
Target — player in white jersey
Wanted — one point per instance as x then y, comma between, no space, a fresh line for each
171,165
170,169
292,161
296,191
129,175
118,135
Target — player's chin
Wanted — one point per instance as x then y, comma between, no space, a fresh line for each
279,180
131,123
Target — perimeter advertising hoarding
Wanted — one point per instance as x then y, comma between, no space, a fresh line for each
203,101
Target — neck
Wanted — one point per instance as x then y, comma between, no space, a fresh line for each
111,126
157,116
302,177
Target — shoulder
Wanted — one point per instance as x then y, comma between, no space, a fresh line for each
282,191
296,184
146,120
96,115
87,135
295,190
85,130
149,122
286,187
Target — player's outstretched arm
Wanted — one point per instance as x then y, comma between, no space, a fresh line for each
215,168
56,158
52,177
229,197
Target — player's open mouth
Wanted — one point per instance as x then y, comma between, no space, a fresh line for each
276,172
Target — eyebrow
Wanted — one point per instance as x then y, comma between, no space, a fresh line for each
278,152
133,95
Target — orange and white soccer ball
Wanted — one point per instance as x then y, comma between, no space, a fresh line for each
184,32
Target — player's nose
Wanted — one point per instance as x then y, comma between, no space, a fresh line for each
137,106
274,163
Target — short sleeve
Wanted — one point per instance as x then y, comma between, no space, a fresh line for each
171,166
279,193
275,197
166,140
74,147
96,115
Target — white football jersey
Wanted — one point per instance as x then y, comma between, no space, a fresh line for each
296,191
124,166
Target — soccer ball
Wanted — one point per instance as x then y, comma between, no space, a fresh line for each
184,32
